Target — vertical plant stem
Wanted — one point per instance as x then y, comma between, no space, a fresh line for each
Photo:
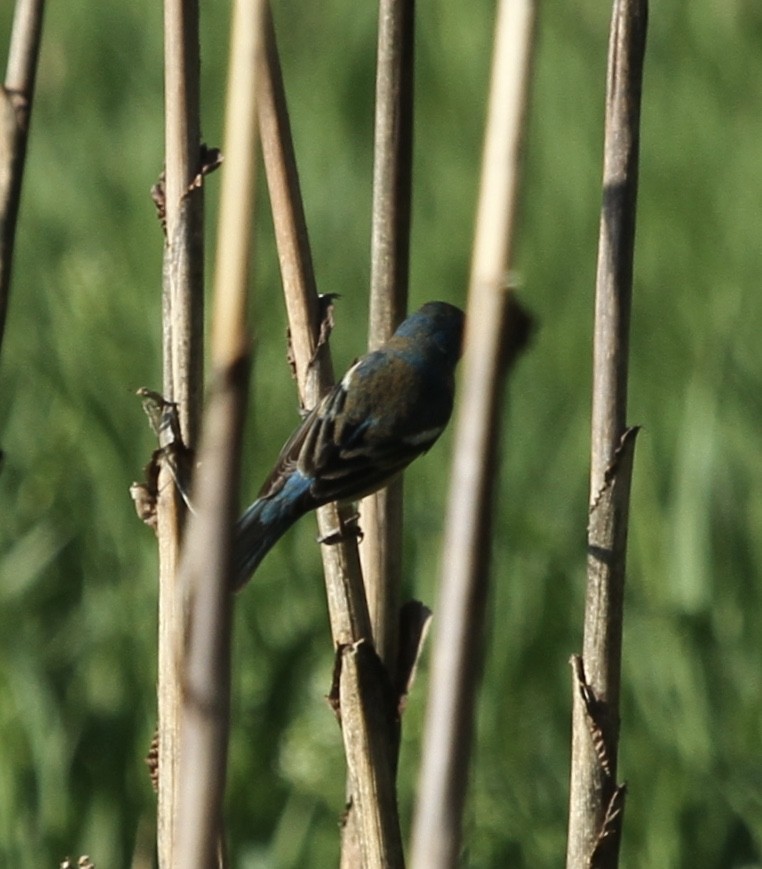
381,513
15,114
184,253
596,802
182,335
360,687
205,569
314,371
204,579
496,328
306,317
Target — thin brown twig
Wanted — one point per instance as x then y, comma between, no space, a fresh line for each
306,312
204,575
15,114
184,251
496,330
381,513
365,733
182,342
596,801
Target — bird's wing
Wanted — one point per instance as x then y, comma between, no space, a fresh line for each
371,425
343,456
289,456
347,452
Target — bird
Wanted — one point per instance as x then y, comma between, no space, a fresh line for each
388,409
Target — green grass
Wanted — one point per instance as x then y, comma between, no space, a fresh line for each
77,570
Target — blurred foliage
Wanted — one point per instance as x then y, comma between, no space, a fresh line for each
77,570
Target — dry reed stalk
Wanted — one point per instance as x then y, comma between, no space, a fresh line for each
496,329
204,574
182,342
596,801
15,114
359,698
381,513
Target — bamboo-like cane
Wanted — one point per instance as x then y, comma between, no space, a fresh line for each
15,114
361,699
204,575
307,316
182,342
495,331
381,513
596,801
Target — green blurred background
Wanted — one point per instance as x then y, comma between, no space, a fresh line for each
78,571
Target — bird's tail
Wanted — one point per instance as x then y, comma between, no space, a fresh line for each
256,532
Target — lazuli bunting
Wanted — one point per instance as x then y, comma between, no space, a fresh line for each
390,407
